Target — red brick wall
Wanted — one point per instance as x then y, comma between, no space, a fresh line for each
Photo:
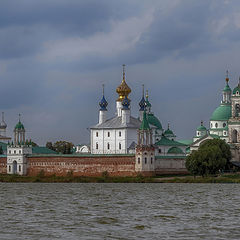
3,165
82,166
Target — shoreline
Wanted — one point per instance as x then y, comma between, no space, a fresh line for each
224,178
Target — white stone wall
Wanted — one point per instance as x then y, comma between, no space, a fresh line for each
145,161
118,143
170,165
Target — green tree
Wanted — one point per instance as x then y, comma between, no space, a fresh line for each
49,145
1,150
63,147
212,156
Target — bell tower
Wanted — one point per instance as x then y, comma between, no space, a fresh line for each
145,158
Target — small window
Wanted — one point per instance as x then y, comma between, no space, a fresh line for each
19,168
224,124
159,150
108,146
151,160
145,153
108,134
9,168
216,125
198,133
224,133
9,151
237,93
120,146
138,160
96,134
14,151
20,152
96,145
145,160
120,134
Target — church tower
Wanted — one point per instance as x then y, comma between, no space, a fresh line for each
17,151
103,109
3,126
234,121
123,90
142,105
145,158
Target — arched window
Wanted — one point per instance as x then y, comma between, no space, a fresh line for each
120,146
145,153
198,133
237,110
96,134
19,168
9,168
108,146
138,160
108,134
159,150
224,124
234,136
216,125
151,160
120,134
96,145
145,160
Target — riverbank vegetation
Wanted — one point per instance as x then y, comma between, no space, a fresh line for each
223,178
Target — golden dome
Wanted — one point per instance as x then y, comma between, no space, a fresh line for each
123,89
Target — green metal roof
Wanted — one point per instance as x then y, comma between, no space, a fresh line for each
222,113
4,146
154,121
201,128
169,132
167,142
19,126
227,88
237,88
175,150
144,124
169,157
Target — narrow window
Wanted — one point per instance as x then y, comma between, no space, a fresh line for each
108,146
145,153
216,125
224,124
198,133
145,160
211,125
96,134
108,134
120,146
138,160
9,168
159,150
19,151
19,168
120,134
14,151
96,145
151,160
10,151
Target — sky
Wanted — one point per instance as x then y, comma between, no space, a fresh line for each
56,54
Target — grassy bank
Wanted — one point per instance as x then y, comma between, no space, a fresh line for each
226,178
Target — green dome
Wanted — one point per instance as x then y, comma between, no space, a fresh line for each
222,113
154,121
175,150
237,88
227,88
168,132
201,128
19,126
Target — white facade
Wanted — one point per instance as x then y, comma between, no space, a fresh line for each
16,159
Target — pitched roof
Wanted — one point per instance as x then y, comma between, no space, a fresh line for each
116,122
144,124
167,142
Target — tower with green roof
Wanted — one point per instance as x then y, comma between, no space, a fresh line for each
200,132
145,157
221,115
17,152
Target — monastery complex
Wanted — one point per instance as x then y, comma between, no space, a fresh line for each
124,145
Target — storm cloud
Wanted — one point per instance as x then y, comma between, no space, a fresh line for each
55,54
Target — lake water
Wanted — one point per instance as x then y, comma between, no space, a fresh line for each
119,211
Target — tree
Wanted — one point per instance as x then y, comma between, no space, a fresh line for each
63,147
212,156
1,150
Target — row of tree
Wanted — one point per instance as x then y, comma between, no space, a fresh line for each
213,156
63,147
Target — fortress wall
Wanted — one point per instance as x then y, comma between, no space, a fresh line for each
170,166
82,166
3,165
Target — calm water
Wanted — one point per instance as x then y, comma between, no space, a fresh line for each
119,211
